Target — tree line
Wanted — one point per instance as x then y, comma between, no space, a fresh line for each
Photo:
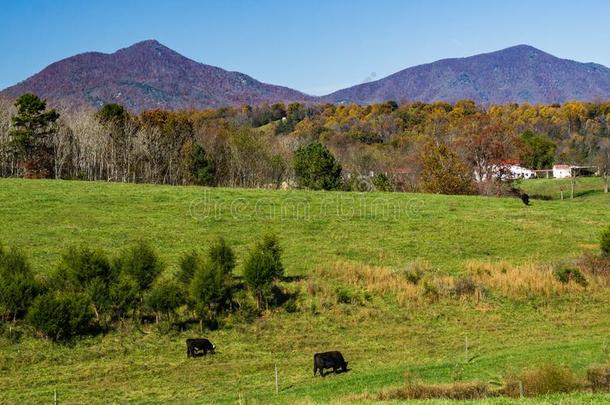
89,291
386,146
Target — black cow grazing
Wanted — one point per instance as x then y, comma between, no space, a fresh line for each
525,198
332,360
198,347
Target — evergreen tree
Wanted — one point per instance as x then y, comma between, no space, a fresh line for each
262,267
316,168
203,168
17,284
31,133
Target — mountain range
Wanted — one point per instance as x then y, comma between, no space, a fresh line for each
149,75
144,76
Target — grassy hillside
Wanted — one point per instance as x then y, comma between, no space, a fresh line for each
390,229
350,242
586,187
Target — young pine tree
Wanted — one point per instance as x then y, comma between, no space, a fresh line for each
262,267
211,284
18,288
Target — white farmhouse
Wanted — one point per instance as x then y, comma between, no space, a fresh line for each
509,170
520,172
562,171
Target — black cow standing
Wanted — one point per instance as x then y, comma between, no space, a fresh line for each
332,360
525,198
194,347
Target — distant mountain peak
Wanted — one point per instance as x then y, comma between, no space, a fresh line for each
520,73
523,47
149,44
148,75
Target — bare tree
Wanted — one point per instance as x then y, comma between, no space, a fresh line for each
602,160
8,164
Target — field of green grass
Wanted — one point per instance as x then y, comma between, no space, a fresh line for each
380,337
316,228
552,188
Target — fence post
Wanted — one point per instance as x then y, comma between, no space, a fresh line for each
520,389
55,397
466,349
277,387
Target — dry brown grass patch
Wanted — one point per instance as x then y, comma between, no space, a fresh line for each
522,281
376,280
598,377
453,391
546,379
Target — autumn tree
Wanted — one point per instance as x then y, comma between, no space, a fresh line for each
602,160
486,145
32,129
443,171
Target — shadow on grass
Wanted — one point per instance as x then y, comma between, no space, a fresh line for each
335,372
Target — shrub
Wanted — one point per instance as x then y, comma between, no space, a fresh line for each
316,168
165,297
210,290
605,242
454,391
61,316
211,285
566,275
221,254
187,267
124,295
415,271
88,271
290,305
547,379
18,288
430,290
246,305
142,263
83,265
413,276
382,182
463,286
598,377
345,295
262,267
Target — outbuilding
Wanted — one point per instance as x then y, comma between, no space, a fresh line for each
562,171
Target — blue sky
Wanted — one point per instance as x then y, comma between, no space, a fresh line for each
312,46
